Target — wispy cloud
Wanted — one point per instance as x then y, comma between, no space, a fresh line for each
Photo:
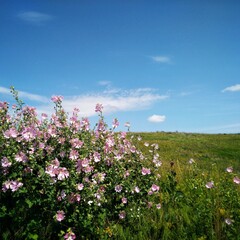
35,18
161,59
157,118
25,95
113,100
104,83
233,88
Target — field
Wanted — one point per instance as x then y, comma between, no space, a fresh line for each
60,179
190,210
206,149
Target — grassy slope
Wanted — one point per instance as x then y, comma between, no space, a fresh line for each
221,149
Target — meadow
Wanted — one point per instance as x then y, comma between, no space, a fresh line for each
62,179
200,199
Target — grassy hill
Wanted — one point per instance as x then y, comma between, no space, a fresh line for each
220,149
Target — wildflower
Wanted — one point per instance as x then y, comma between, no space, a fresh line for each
99,107
136,189
5,162
76,143
127,124
115,123
118,188
80,186
228,221
126,174
44,116
158,206
229,169
146,144
96,156
122,214
85,162
62,173
56,99
73,155
3,105
60,215
236,180
12,185
155,188
146,171
210,185
191,161
21,157
70,235
11,133
124,200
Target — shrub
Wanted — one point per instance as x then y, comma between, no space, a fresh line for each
60,179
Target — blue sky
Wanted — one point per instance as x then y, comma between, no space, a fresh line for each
160,65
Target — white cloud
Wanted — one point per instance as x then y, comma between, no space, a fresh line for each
25,95
161,59
157,118
112,101
233,88
104,83
35,18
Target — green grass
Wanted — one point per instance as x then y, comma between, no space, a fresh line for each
221,149
190,210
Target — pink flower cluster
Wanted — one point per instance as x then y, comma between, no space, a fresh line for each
65,158
12,185
54,170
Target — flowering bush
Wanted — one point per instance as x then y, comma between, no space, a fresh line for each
61,179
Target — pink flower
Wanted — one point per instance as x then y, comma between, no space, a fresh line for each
80,186
56,99
136,189
60,215
122,214
155,188
124,200
12,185
236,180
11,133
127,124
115,123
118,188
158,206
97,157
3,105
21,157
126,174
210,185
70,236
76,143
62,173
73,155
146,171
44,116
85,162
5,162
99,107
229,169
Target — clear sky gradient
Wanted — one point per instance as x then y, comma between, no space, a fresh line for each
160,65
